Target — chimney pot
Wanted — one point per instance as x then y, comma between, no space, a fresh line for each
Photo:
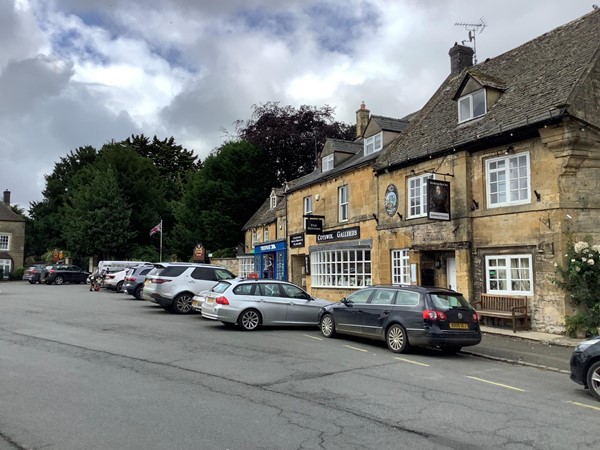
461,57
6,197
362,119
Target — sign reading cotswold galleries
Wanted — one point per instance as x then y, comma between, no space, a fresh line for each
340,235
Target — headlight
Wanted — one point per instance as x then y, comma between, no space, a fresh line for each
585,344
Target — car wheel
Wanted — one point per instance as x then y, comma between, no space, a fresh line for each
138,292
249,320
120,286
59,280
183,304
396,339
327,326
593,379
450,349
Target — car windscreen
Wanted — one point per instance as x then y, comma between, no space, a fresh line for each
224,274
221,287
444,301
173,271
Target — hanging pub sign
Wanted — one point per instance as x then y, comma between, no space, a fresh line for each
438,199
314,224
198,254
391,200
297,240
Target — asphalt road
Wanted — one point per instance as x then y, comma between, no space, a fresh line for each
81,369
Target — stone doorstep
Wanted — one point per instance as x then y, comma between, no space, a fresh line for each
547,338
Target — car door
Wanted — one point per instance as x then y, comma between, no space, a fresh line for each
377,311
301,309
348,314
68,273
271,303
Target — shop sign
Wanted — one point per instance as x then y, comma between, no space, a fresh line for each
343,234
198,254
313,225
297,240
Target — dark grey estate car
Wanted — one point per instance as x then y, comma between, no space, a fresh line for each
405,316
134,280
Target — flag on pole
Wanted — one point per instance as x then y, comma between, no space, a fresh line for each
156,229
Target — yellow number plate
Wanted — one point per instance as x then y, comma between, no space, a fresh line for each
459,326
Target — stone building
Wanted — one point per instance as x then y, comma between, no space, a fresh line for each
479,191
12,237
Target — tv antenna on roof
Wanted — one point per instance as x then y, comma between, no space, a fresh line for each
472,28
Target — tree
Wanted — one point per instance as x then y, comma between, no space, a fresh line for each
220,198
291,138
96,224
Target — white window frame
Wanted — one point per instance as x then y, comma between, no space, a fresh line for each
347,268
468,101
343,201
308,204
417,195
508,180
5,242
400,266
254,237
327,163
266,234
373,143
273,201
6,266
245,266
513,274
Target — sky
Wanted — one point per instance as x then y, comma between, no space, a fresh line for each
85,72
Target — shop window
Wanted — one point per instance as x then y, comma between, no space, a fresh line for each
246,266
341,268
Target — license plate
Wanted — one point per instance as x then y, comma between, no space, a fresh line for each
459,326
210,300
146,281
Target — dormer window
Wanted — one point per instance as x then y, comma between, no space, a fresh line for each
327,163
471,106
374,143
273,200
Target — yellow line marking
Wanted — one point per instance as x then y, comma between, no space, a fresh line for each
497,384
585,406
412,362
356,348
313,337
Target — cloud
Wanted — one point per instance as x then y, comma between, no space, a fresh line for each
82,72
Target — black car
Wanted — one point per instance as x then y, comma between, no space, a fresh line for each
63,273
35,274
585,365
405,316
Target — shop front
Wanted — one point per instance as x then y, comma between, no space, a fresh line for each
270,260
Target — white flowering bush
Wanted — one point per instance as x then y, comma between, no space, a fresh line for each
580,278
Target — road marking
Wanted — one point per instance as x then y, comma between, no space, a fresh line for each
356,348
312,337
497,384
412,362
585,406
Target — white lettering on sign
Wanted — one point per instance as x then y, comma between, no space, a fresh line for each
267,247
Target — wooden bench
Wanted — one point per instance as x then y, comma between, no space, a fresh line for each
503,307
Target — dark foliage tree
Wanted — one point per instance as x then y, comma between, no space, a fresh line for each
290,138
96,225
219,199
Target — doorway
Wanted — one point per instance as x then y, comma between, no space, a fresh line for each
451,273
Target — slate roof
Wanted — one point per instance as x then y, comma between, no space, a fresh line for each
342,146
8,215
540,80
390,124
265,215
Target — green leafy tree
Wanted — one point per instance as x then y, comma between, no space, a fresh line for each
290,138
95,224
219,199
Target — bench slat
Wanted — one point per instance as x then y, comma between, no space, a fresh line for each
503,307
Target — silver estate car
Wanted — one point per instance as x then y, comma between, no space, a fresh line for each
251,303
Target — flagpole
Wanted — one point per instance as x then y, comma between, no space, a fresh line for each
161,232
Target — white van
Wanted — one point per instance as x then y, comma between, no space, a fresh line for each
115,266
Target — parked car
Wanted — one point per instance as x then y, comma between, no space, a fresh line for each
62,273
134,280
198,300
405,316
585,365
251,303
176,284
35,274
114,281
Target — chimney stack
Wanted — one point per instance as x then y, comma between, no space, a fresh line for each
6,197
362,120
461,57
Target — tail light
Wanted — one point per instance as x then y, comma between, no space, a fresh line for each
130,279
475,317
110,277
221,300
160,281
430,314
